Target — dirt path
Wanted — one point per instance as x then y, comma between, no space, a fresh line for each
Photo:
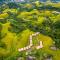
31,44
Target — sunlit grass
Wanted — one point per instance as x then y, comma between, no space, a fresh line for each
47,42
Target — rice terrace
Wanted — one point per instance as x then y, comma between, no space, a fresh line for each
29,29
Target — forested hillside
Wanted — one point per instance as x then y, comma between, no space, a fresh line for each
20,20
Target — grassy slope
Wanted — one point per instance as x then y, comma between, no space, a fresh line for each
14,42
47,42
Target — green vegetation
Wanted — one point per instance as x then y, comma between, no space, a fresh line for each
19,20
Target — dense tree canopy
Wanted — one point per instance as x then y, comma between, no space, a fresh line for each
19,20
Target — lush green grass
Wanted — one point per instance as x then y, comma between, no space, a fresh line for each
47,42
17,24
14,42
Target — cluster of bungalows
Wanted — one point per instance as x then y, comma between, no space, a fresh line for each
16,1
12,1
29,0
22,0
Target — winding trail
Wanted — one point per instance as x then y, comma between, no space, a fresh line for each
31,44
